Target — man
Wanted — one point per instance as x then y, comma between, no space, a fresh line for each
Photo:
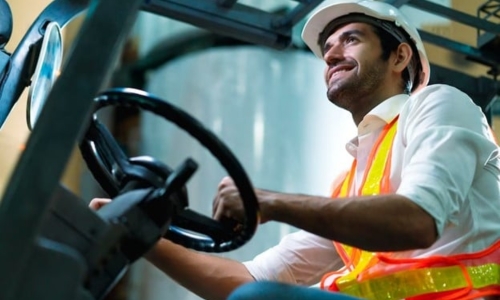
417,214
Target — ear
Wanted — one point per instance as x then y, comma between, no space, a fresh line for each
402,57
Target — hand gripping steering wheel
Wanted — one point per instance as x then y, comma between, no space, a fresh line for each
117,174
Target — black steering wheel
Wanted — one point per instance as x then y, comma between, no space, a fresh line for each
117,174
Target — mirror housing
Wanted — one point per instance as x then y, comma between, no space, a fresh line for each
47,69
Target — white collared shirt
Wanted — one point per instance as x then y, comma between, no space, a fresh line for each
444,159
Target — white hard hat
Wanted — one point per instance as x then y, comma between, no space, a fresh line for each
332,10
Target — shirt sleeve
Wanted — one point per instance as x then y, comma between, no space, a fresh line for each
300,258
446,139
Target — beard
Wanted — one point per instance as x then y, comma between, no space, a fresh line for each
357,90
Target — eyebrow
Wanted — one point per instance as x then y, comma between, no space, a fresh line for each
343,36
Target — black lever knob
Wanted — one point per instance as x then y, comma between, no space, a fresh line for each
179,177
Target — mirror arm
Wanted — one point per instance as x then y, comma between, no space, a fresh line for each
13,83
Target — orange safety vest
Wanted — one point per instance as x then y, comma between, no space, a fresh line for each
372,275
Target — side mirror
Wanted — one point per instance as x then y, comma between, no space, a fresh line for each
47,69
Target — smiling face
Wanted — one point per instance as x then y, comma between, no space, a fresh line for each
357,77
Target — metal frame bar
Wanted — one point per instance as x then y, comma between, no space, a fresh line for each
297,14
455,15
226,3
235,22
397,3
240,21
482,57
475,54
37,174
488,10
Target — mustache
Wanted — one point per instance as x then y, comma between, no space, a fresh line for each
338,66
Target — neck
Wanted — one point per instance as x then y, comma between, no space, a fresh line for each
362,110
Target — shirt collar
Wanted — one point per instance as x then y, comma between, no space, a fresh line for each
382,114
377,118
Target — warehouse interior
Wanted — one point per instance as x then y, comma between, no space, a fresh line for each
234,76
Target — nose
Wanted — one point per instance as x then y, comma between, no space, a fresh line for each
333,54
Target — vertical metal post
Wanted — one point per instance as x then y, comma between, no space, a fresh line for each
28,194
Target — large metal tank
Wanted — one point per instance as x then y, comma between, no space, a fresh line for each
270,108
